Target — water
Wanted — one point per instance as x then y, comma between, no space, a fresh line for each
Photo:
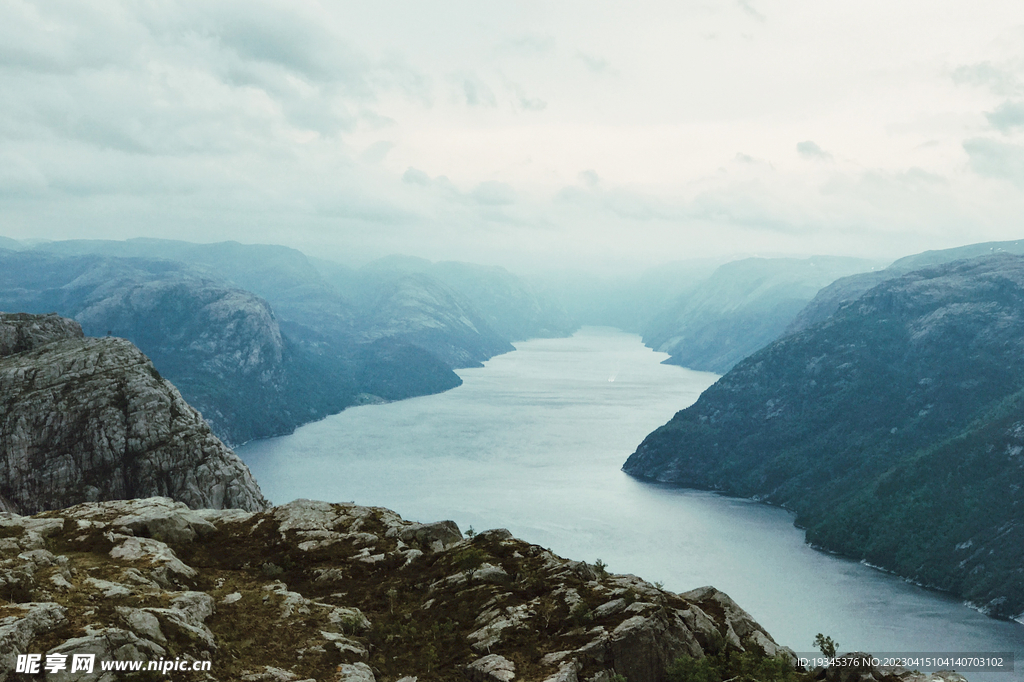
533,442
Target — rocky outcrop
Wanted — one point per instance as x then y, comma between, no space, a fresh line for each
20,332
91,419
312,590
893,429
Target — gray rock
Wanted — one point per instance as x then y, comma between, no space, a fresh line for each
90,419
20,332
18,631
355,672
491,668
433,536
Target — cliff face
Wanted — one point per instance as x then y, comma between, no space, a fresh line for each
91,419
321,591
893,429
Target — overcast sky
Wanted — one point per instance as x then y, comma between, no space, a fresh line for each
519,133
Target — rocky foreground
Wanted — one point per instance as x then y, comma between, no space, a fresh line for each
317,591
92,419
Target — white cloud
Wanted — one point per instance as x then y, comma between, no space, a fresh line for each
460,129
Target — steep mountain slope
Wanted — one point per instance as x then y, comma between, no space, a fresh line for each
894,429
91,419
847,289
221,346
740,308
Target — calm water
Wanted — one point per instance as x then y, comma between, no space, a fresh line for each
533,442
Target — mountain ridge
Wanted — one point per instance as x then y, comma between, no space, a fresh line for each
891,429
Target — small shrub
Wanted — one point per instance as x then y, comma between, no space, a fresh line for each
826,645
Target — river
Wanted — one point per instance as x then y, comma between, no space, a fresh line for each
533,442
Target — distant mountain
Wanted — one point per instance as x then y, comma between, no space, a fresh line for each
222,346
847,289
507,304
625,302
327,307
91,419
893,429
260,340
741,307
419,311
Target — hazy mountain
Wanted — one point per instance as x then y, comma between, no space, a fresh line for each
328,307
418,310
86,419
893,428
508,304
221,346
847,289
741,307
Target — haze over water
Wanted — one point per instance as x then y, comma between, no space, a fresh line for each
534,442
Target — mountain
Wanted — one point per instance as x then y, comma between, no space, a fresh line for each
627,302
322,303
741,307
417,310
847,289
91,419
507,304
221,346
893,429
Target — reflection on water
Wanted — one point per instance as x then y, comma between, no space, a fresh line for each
533,442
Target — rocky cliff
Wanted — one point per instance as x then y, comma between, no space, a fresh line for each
893,429
91,419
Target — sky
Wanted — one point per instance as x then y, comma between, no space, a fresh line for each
529,134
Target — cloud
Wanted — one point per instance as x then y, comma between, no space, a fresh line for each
996,159
1007,116
595,64
1001,79
415,176
376,152
532,103
532,43
811,150
749,9
477,93
590,178
494,194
